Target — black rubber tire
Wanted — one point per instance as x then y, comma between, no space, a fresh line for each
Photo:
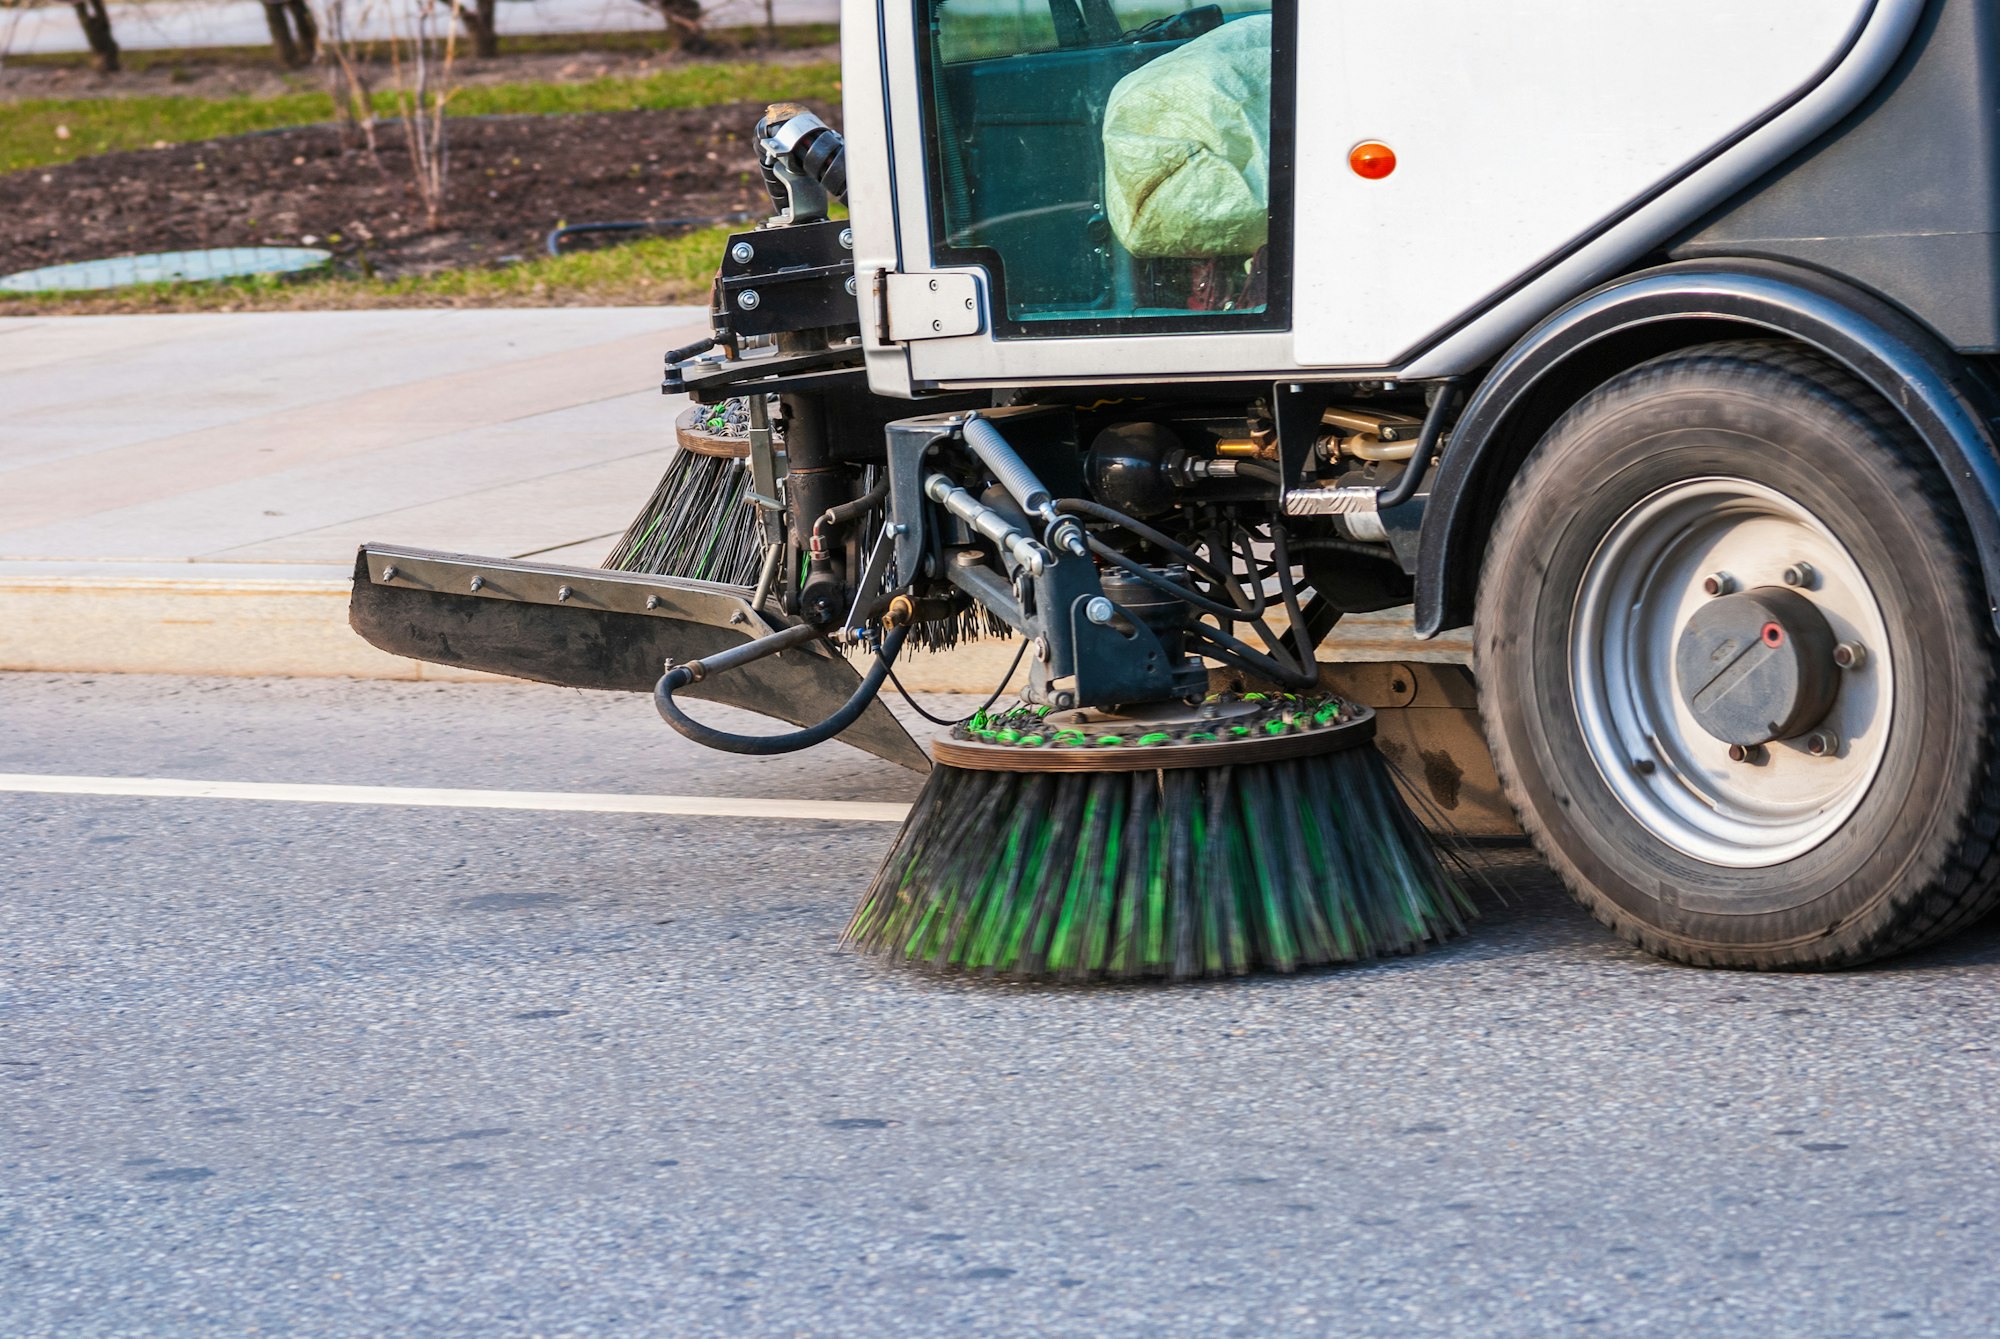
1917,858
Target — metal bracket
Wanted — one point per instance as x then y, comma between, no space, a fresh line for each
944,305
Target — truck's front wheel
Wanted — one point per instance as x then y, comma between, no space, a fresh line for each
1736,668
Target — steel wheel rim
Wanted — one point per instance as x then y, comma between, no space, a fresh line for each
1674,778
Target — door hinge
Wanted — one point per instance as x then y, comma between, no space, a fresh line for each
944,305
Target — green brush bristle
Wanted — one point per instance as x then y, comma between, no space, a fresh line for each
1179,873
697,524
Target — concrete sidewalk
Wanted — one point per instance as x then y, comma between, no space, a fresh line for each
184,494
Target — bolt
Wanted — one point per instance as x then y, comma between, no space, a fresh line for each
847,239
849,285
1850,655
1747,753
563,593
1643,766
1064,701
477,582
739,617
1822,743
748,299
1042,649
652,602
741,253
1800,574
1719,583
1100,610
389,572
968,557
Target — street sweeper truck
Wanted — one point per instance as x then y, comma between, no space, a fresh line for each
1655,341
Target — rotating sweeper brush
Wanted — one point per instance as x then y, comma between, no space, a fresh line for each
1256,831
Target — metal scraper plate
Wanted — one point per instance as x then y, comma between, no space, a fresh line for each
585,627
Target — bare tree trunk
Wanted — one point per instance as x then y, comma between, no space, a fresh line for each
304,26
281,36
97,32
293,31
481,26
683,19
771,23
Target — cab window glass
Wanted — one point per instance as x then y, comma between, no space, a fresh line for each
1107,160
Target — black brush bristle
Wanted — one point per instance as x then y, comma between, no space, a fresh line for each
698,523
1179,873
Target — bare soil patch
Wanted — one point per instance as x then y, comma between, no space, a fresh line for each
513,178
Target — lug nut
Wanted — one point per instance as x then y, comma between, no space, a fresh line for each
1800,574
1746,753
1850,655
1718,583
1822,743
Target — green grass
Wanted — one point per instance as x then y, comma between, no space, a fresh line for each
665,270
36,133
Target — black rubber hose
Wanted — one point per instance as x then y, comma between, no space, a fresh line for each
555,237
680,677
1097,511
1405,487
861,506
1163,584
1290,591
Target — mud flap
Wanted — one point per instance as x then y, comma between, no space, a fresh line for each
588,628
1427,726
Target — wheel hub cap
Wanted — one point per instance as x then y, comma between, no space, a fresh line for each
1758,666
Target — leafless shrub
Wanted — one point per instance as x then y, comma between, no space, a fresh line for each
348,80
420,62
421,41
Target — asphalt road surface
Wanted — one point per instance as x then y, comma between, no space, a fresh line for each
274,1068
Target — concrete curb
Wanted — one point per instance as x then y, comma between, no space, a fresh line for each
291,622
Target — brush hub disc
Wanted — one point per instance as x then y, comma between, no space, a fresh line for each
1223,731
694,433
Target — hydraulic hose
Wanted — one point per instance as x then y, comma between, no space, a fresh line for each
1405,487
836,516
680,676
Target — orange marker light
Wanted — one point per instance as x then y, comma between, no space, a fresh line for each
1372,159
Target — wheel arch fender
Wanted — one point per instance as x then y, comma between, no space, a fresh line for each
1641,316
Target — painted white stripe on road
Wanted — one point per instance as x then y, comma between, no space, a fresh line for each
421,797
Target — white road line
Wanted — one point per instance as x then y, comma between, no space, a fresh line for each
422,797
